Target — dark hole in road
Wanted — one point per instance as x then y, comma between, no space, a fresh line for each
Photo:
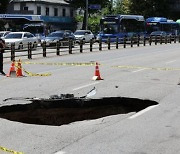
65,111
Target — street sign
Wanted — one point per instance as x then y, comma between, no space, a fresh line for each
95,6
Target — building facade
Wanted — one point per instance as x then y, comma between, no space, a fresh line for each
55,14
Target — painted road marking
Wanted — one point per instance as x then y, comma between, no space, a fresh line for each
172,61
142,112
138,70
60,152
84,86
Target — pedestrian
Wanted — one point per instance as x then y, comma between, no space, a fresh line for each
2,47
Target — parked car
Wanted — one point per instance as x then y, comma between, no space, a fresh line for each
3,33
158,33
85,35
21,40
63,36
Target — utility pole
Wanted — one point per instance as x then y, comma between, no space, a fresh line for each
86,22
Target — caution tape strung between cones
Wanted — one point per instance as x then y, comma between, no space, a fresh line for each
11,151
63,64
93,64
152,68
36,74
32,74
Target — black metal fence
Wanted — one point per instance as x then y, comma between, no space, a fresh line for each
58,48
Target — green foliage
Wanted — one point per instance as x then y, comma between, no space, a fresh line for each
150,7
122,7
93,23
79,18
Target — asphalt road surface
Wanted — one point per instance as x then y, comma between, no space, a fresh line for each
151,72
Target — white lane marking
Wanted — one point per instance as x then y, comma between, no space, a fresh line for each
142,111
139,70
170,61
60,152
84,86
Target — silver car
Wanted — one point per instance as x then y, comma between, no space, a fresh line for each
85,35
3,33
21,40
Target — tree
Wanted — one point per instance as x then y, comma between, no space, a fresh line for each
149,8
81,4
3,6
122,7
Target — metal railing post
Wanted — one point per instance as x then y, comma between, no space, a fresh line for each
132,38
124,41
91,45
58,48
170,39
44,49
174,38
161,39
29,50
81,46
138,39
117,42
70,46
144,41
100,44
109,43
155,40
166,39
12,51
150,40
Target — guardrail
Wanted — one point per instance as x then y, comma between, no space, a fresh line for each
59,49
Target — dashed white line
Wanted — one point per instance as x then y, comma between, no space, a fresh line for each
138,70
142,111
172,61
84,86
60,152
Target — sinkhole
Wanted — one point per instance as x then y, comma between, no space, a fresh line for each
64,111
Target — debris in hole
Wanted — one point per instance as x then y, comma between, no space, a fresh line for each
91,93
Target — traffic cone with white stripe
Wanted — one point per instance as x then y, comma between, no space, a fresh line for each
19,69
97,75
12,71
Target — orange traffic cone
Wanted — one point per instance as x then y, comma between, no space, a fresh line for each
19,69
12,71
97,73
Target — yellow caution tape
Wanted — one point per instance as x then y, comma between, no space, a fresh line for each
153,68
36,74
63,64
11,151
30,73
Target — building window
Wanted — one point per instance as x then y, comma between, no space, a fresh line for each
25,8
55,12
64,12
71,13
38,10
47,11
